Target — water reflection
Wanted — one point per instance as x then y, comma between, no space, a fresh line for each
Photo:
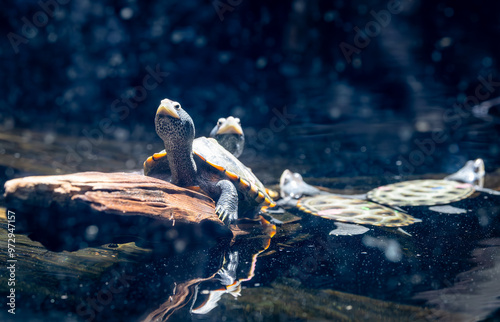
119,282
238,266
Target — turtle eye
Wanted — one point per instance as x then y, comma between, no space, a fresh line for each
177,106
238,120
220,121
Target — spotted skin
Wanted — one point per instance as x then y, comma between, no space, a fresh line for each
178,135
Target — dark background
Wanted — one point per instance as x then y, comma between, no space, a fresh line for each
374,115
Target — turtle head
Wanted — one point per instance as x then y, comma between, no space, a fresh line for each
229,134
229,125
174,125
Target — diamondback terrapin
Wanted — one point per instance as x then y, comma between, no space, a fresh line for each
229,134
452,188
336,207
203,164
406,195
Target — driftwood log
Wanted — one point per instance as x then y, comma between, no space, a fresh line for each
69,212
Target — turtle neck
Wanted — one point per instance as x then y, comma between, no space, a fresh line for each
182,165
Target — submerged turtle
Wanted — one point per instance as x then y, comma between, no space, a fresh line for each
452,188
430,192
336,207
229,134
203,164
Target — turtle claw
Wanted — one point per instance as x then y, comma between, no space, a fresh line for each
224,214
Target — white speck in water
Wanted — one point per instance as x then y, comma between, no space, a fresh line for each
449,12
91,232
52,37
335,112
445,42
121,134
390,247
224,57
130,164
180,246
356,63
436,56
363,149
487,62
49,138
453,148
126,13
422,126
64,297
329,16
348,308
339,66
200,41
261,62
17,155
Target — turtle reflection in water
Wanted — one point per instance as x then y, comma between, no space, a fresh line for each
237,267
203,164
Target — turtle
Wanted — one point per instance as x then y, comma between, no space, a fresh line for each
432,192
348,209
204,165
395,197
229,134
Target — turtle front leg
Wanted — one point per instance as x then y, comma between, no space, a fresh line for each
227,205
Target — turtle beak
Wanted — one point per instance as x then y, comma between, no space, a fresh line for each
231,126
168,108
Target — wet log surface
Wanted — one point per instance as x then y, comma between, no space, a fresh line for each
73,211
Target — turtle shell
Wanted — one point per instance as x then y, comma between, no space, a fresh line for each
210,153
355,211
421,193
